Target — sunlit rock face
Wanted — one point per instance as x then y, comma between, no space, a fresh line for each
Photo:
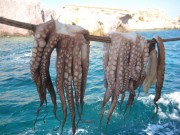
176,22
151,19
24,11
98,21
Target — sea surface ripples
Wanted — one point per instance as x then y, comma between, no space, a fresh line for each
19,99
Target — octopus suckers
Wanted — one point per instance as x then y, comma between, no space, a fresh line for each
34,50
35,44
42,43
65,75
38,36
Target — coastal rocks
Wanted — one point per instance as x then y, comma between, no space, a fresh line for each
100,21
150,19
97,20
25,11
176,22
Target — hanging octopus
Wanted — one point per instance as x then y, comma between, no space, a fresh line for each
71,66
160,71
127,65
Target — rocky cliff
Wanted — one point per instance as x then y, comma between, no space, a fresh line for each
25,11
103,20
97,20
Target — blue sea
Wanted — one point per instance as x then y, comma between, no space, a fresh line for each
19,99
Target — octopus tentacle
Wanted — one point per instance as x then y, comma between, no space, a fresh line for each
60,65
44,69
68,83
145,55
108,92
41,36
122,100
38,84
138,67
126,56
110,71
105,61
137,70
132,62
135,60
77,71
113,104
112,64
51,91
106,98
160,71
85,65
126,66
119,81
35,68
144,62
131,96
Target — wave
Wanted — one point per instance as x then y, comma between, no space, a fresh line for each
169,105
171,128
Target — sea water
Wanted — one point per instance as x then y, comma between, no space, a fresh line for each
19,99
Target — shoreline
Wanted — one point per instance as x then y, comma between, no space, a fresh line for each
156,29
134,30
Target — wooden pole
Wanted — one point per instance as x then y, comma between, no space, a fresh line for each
18,24
32,27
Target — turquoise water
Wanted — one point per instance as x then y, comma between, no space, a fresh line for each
19,99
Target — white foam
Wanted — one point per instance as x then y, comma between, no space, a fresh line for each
79,131
161,113
167,100
22,58
163,129
27,132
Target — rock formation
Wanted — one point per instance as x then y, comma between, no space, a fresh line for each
24,11
96,20
150,19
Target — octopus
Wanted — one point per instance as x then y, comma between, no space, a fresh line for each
129,61
160,71
72,64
